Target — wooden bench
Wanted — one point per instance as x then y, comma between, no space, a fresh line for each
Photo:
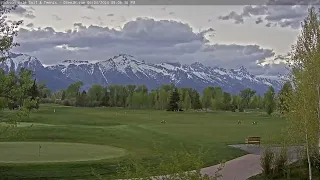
253,140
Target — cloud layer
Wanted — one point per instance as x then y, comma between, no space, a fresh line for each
147,39
280,13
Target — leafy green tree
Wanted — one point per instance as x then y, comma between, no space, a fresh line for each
246,96
226,103
82,99
73,90
63,95
207,96
139,100
195,99
105,98
254,104
163,98
112,95
95,93
304,103
218,97
142,89
130,89
270,101
187,102
13,89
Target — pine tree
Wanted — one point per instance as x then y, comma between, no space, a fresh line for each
284,94
34,93
174,101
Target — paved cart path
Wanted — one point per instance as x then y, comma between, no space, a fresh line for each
248,165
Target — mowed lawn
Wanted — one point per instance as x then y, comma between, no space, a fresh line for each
140,133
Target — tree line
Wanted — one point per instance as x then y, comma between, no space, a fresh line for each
165,97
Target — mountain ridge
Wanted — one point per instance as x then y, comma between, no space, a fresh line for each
126,69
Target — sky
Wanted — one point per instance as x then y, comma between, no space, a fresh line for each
228,36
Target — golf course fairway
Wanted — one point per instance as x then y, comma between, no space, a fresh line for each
44,152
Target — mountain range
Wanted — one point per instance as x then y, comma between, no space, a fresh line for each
126,69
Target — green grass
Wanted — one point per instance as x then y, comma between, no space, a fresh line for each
28,152
140,133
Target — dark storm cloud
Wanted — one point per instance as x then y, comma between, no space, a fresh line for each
238,18
23,12
254,10
20,10
259,20
147,39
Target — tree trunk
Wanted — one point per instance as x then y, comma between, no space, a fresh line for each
318,115
308,156
307,141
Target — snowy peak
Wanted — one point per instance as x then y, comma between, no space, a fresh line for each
124,59
126,69
18,61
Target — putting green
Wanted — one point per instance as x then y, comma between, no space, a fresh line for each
28,152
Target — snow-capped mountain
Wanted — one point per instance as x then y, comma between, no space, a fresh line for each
125,69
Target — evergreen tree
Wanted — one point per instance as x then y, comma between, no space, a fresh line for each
174,101
34,94
195,100
284,94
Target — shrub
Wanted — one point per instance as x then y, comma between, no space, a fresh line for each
95,104
233,108
58,101
303,165
267,160
281,163
46,100
66,102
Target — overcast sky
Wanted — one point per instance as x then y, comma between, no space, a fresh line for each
225,36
